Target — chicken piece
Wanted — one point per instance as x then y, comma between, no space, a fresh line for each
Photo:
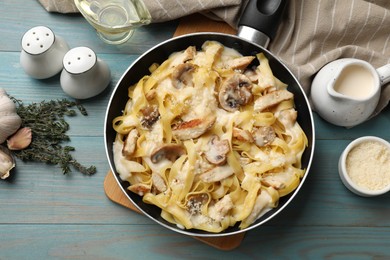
139,189
130,143
219,210
239,63
193,128
158,182
274,183
217,174
263,135
287,117
242,135
271,99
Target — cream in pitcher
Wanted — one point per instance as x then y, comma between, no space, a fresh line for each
345,92
356,82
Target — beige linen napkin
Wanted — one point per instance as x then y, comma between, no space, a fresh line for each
312,33
166,10
316,32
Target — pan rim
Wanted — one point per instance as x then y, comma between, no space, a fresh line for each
208,234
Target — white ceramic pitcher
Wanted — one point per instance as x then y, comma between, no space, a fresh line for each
345,92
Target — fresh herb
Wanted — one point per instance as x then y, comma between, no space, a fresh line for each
47,122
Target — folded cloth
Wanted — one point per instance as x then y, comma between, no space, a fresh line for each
165,10
59,6
312,32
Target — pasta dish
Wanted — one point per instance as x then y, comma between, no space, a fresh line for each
211,137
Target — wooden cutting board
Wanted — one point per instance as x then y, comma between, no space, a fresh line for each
189,24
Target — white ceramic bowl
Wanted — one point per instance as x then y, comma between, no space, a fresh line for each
374,177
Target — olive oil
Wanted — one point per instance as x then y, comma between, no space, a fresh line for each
114,20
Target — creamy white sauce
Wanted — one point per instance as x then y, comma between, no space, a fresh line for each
355,81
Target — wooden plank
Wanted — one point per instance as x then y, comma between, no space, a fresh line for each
199,23
152,242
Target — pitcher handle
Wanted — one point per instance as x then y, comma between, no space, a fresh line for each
384,74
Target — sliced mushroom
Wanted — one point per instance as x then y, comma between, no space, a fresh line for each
193,128
287,117
235,92
158,182
276,184
239,63
168,151
150,116
263,135
182,75
217,150
272,99
242,135
130,143
195,203
217,174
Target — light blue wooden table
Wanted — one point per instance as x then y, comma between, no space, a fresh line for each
47,215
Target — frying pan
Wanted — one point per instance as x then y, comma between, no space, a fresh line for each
257,25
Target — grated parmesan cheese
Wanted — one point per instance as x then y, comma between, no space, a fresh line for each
368,165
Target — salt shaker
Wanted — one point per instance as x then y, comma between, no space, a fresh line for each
42,52
84,75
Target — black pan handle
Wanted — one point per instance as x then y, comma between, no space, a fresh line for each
260,20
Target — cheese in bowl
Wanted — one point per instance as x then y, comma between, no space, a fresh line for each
211,138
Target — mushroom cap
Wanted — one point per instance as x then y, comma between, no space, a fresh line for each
235,92
216,154
167,151
182,75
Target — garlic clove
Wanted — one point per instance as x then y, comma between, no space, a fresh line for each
7,162
20,140
10,121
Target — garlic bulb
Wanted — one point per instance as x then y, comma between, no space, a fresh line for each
7,162
10,121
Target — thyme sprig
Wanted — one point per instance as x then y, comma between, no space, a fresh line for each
48,125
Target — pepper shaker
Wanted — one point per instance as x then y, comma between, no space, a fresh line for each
84,75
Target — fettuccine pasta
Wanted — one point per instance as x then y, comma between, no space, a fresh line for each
210,138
